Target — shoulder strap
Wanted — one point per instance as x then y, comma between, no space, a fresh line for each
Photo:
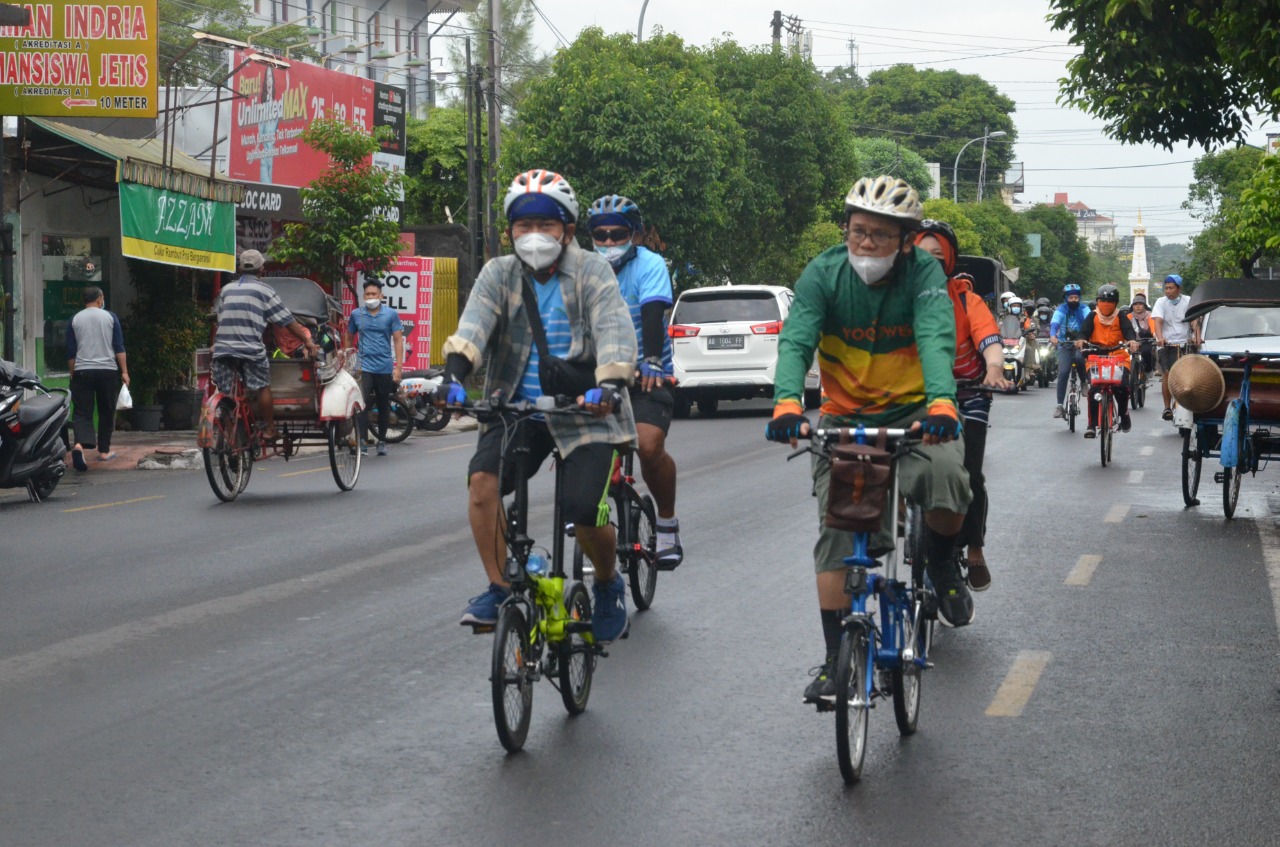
535,318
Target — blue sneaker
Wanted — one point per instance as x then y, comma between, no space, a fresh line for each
382,448
609,609
482,610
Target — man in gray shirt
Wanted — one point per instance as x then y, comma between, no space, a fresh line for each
96,359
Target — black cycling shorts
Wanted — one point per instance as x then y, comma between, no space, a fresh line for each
587,470
653,407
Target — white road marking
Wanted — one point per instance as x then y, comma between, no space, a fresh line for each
1147,451
1271,554
1135,477
1019,684
1117,514
1158,433
1083,571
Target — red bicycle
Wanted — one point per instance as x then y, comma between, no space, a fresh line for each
1106,373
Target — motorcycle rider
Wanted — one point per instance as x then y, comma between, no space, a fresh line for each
617,227
1015,324
1067,320
979,355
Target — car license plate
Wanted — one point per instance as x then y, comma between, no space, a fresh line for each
725,342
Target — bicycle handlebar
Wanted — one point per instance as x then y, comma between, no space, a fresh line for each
497,406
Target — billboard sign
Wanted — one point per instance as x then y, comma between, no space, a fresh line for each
274,105
177,229
81,60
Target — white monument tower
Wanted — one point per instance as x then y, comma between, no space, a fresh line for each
1139,277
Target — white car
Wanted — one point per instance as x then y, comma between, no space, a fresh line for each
1233,329
724,345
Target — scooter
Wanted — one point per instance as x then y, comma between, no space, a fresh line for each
33,437
417,395
1014,348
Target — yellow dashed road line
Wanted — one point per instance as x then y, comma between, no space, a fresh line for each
116,503
1019,684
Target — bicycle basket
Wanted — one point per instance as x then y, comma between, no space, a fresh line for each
1106,370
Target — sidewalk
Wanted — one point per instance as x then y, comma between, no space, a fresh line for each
176,449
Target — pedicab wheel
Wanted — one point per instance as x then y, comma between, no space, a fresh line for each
399,422
1230,491
344,452
512,686
1191,460
576,663
227,461
906,678
642,563
851,704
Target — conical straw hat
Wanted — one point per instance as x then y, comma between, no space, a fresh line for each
1197,383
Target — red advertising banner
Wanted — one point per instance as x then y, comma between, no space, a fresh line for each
274,105
407,289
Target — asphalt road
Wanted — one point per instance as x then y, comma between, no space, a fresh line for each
288,670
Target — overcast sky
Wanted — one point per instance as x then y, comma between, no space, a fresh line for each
1006,42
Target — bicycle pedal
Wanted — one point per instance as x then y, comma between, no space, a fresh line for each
1218,478
821,705
481,628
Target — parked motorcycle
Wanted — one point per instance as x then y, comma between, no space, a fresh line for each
417,394
33,438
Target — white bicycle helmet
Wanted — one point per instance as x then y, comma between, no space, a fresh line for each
544,182
887,196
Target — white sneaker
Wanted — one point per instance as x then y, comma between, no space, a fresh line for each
1059,412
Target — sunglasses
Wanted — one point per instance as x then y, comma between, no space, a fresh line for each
604,236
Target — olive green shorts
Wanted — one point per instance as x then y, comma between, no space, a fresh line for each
939,482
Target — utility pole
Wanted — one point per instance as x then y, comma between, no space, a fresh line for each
495,122
777,29
853,53
474,238
794,28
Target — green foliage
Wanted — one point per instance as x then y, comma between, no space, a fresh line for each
878,156
1109,261
938,112
1235,216
818,236
646,121
436,166
1064,257
942,209
163,331
180,19
345,209
1003,232
520,58
1172,72
1254,223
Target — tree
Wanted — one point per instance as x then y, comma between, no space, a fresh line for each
1254,223
179,20
1063,258
345,209
799,159
1168,72
942,209
520,59
878,156
1003,232
1108,262
646,121
436,166
938,112
1221,198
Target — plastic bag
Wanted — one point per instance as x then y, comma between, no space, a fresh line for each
125,400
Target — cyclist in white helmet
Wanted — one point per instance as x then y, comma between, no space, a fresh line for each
877,307
584,319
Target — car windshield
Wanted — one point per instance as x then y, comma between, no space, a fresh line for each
723,306
1242,322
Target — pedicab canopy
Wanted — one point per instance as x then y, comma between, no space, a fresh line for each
1211,294
302,297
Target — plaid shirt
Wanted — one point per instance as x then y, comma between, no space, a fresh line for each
495,329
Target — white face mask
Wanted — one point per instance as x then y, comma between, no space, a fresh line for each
372,305
538,250
874,270
615,253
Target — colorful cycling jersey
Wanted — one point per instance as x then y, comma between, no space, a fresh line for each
1068,319
975,329
643,280
885,351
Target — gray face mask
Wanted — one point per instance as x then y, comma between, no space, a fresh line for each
874,270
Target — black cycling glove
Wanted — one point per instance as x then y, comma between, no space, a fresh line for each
785,428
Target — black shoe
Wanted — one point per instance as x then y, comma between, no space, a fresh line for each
1125,423
955,604
823,686
1167,415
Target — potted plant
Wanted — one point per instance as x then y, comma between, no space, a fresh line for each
161,336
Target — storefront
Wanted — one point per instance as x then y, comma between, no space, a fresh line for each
86,203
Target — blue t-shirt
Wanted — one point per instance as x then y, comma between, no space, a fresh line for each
555,322
645,280
373,338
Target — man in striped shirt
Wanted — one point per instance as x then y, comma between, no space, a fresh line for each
244,309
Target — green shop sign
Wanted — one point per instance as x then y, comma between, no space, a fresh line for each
177,229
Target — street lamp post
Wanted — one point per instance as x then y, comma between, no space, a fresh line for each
955,169
640,24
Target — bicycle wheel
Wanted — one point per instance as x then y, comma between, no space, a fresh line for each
576,664
906,677
851,703
1107,419
642,557
914,546
1191,460
512,685
581,567
399,422
344,452
1073,405
1139,385
222,463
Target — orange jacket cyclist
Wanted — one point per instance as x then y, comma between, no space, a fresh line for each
1106,328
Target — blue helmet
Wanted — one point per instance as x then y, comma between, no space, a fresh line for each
1069,289
1175,279
616,210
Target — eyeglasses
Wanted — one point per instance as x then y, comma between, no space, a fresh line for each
604,236
878,237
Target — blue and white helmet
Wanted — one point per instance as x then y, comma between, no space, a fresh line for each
616,210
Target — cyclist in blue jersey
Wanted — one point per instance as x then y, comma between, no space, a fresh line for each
617,228
1068,319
